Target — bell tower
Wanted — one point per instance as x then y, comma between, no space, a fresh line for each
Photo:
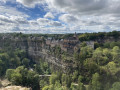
75,35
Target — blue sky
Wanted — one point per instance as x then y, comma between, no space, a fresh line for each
59,16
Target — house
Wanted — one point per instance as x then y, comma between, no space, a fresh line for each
68,44
90,44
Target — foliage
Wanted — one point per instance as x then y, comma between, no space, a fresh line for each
24,77
86,69
100,35
115,86
96,85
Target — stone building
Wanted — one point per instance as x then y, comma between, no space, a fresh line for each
90,44
68,44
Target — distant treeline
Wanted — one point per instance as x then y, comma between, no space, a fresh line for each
100,35
53,36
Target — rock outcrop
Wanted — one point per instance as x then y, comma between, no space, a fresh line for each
34,46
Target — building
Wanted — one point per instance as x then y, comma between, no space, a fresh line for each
68,44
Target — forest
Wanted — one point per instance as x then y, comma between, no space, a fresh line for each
89,69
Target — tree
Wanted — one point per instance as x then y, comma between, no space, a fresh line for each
43,83
53,78
1,67
80,78
9,73
90,66
66,80
83,44
4,57
25,62
116,49
57,86
15,62
20,53
116,53
97,45
107,86
16,78
23,76
38,69
96,85
45,88
76,57
111,68
81,86
73,87
107,53
75,76
115,86
97,55
86,52
113,44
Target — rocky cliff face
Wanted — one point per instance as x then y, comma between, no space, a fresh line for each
34,46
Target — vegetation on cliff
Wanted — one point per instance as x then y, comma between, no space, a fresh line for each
100,35
85,69
95,70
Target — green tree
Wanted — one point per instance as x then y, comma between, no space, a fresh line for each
16,78
81,86
76,57
53,78
80,78
43,83
45,88
57,86
9,73
75,76
97,55
115,86
90,66
73,87
83,44
66,80
107,53
116,54
26,62
111,68
96,84
1,67
23,76
15,62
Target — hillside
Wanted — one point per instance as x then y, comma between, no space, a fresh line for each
65,62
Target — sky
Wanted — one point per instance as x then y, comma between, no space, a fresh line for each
59,16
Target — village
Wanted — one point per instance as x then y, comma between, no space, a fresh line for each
69,44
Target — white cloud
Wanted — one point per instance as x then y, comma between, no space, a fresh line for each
43,21
4,1
8,11
17,22
49,15
30,3
55,23
78,15
68,18
47,22
89,13
78,6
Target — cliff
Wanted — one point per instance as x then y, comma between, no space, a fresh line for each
35,47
